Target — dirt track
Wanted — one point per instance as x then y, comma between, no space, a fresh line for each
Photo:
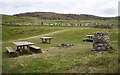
38,36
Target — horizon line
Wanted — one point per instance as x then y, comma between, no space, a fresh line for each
56,13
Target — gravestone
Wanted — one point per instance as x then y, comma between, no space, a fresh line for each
101,41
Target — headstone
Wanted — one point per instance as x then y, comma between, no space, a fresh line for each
101,41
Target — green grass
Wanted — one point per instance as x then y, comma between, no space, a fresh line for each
76,59
10,18
22,20
18,32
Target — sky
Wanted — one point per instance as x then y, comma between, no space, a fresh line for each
104,8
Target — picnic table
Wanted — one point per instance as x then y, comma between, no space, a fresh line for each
21,45
46,39
90,36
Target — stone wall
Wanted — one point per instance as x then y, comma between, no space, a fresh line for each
101,41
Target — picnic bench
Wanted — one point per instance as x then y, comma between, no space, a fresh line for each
11,51
46,39
34,48
23,47
89,38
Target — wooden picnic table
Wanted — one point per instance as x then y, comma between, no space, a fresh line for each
46,39
90,36
21,45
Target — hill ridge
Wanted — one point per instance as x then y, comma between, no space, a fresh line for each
60,16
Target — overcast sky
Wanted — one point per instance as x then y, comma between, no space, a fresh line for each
105,8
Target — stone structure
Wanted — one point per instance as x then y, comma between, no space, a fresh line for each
101,41
69,24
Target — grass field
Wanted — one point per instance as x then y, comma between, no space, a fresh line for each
17,32
75,59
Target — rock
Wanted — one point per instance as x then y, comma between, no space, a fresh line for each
101,41
64,45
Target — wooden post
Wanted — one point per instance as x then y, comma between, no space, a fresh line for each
28,47
24,47
49,40
45,40
42,40
17,48
20,47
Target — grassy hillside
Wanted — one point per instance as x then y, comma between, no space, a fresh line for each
10,18
57,16
29,19
16,32
76,59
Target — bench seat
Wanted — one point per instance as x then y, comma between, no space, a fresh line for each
34,48
10,50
